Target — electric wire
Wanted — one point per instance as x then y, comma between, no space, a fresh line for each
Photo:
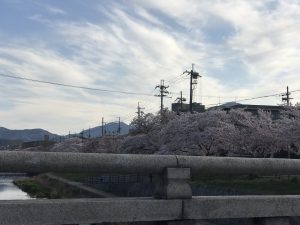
179,80
74,86
252,98
174,78
136,93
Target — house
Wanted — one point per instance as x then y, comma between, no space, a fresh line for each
274,110
182,107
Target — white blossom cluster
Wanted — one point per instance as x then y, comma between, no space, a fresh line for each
216,132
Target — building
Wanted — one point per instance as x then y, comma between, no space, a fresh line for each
182,107
274,110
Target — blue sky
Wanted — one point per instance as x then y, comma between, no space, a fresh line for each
241,49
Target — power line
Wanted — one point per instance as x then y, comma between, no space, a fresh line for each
74,86
179,80
244,98
130,93
175,79
219,96
264,96
172,79
253,98
295,91
147,98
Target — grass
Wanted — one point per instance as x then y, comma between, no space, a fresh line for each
42,187
35,189
282,185
275,185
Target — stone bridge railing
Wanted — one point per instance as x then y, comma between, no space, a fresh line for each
172,201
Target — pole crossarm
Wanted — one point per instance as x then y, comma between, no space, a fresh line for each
25,161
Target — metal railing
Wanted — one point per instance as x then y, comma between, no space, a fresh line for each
172,201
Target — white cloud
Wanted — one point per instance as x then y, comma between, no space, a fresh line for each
42,64
55,10
37,17
265,37
133,47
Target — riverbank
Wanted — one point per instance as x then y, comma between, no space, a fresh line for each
273,185
69,185
51,186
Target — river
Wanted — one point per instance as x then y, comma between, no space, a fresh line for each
9,191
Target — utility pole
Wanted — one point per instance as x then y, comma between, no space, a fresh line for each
181,100
139,113
89,132
193,81
119,127
286,97
162,93
102,127
82,135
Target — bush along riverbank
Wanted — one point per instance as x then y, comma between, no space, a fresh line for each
252,184
43,186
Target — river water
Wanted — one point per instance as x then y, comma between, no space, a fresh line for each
9,191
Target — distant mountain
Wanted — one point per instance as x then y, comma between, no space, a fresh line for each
24,135
110,129
11,137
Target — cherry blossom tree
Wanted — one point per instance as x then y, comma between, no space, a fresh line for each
222,133
289,130
197,134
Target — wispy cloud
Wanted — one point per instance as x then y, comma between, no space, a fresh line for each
55,10
242,48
